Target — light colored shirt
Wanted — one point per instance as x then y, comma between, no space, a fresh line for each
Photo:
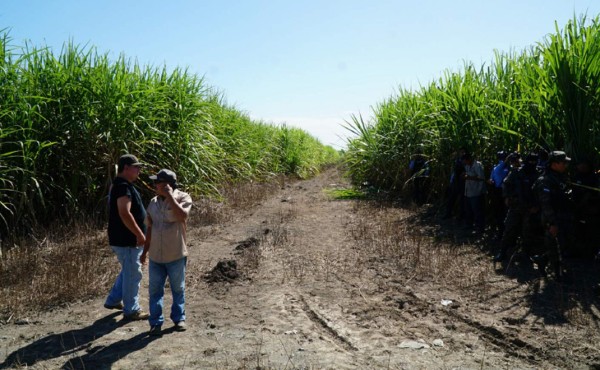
474,188
168,239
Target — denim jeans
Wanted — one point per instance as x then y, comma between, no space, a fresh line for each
158,275
126,287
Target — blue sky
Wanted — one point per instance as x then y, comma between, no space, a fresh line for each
312,63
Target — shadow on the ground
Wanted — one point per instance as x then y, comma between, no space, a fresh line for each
548,299
104,357
61,344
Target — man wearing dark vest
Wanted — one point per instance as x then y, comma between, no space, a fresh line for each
126,236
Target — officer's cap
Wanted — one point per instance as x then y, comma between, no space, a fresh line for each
558,156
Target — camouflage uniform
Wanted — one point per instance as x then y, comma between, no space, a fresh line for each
554,196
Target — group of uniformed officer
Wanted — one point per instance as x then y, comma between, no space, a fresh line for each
554,216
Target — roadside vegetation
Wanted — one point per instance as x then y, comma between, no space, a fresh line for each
65,118
545,97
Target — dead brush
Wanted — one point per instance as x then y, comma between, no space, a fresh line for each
234,197
68,264
244,196
277,234
206,212
386,238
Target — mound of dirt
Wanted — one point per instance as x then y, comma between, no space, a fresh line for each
224,271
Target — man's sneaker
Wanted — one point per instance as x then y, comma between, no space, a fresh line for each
155,330
118,306
138,315
180,326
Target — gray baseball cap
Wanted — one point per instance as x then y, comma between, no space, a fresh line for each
165,175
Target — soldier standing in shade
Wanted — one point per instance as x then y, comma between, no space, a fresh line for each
522,208
456,188
554,197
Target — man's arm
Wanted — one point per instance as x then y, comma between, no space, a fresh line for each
178,212
148,239
146,245
124,207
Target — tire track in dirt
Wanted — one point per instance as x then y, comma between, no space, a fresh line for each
325,327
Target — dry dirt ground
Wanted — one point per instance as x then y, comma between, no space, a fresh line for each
307,290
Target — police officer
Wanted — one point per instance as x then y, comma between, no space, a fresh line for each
554,196
521,207
586,195
456,189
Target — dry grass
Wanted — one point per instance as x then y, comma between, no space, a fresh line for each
389,237
403,247
244,196
73,262
65,266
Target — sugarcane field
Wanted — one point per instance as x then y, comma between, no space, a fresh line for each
146,222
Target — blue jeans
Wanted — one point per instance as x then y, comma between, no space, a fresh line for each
127,285
158,276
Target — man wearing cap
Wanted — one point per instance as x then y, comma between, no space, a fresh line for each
166,248
126,236
554,196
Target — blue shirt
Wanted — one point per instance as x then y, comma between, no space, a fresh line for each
499,173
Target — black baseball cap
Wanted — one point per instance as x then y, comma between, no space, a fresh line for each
129,159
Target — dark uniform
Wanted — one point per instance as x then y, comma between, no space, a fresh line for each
586,194
456,189
554,196
523,213
419,171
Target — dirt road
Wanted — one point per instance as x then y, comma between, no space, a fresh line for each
304,294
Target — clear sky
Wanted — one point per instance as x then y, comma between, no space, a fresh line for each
309,63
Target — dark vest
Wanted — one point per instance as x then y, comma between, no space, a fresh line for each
118,234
